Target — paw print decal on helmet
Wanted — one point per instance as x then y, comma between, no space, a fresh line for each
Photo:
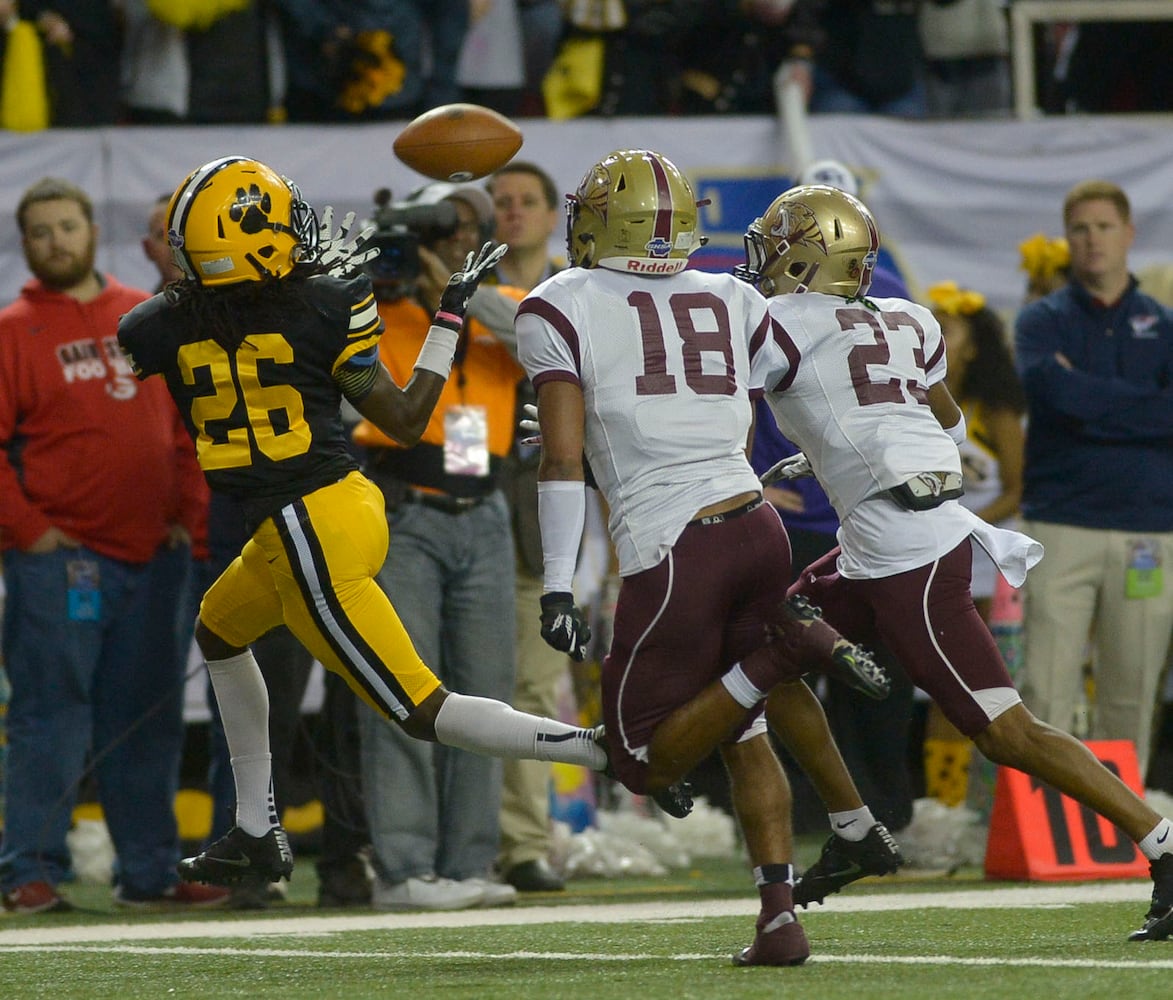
251,209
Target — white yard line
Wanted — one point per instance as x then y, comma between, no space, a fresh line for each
51,934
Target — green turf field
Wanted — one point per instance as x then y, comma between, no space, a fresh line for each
646,939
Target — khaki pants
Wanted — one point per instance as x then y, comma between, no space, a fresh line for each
1077,594
525,800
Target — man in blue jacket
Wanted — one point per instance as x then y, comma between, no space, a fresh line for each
1096,359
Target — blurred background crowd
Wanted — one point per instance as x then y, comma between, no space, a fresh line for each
81,62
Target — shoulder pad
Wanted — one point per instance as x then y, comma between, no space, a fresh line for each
334,297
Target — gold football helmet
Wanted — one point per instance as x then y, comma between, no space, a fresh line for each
235,219
812,239
634,211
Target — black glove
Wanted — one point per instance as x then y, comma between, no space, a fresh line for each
564,626
463,283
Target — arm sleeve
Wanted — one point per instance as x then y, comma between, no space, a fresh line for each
561,516
356,375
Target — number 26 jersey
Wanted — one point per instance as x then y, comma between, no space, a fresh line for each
265,418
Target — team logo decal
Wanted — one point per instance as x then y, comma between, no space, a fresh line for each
658,247
251,209
593,192
797,226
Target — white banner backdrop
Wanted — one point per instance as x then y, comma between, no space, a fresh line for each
953,199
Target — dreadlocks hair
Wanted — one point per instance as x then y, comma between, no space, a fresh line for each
231,313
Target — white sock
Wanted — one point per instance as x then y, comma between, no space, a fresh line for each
488,726
854,824
741,689
243,701
256,806
1158,841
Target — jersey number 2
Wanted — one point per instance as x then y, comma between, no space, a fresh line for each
861,356
233,382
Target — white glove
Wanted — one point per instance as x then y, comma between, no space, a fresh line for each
792,467
530,425
338,255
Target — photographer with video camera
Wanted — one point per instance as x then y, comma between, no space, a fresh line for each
433,810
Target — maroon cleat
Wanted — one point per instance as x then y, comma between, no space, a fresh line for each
780,940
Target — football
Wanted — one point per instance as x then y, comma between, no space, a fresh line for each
458,142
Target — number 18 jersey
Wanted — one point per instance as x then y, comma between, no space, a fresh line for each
664,367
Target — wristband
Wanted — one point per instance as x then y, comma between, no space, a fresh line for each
957,432
438,350
561,516
447,319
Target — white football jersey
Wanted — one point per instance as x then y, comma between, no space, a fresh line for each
849,385
664,367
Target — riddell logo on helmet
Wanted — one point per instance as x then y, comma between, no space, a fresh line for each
656,266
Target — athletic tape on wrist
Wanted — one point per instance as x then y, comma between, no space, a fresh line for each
438,350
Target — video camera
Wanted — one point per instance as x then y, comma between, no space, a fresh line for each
400,229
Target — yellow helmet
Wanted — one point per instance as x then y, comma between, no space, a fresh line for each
634,211
812,239
235,219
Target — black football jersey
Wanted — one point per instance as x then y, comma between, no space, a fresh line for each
266,419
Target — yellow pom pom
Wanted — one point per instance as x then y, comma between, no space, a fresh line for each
1042,257
948,297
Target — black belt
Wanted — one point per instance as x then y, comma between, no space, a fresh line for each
728,515
443,501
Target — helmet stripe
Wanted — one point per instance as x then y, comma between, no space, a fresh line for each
662,230
177,223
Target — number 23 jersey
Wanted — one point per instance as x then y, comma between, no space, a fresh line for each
266,418
663,364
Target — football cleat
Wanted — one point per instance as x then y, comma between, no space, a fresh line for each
240,859
808,640
842,862
675,800
780,940
1158,922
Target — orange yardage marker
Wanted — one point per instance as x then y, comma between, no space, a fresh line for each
1038,834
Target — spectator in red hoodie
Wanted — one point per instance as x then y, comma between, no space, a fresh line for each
99,498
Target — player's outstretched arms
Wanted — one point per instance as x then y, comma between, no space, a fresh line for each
403,413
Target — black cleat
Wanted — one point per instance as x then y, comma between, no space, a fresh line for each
240,859
844,861
675,800
1158,922
853,665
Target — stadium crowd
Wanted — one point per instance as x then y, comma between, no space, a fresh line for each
75,63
